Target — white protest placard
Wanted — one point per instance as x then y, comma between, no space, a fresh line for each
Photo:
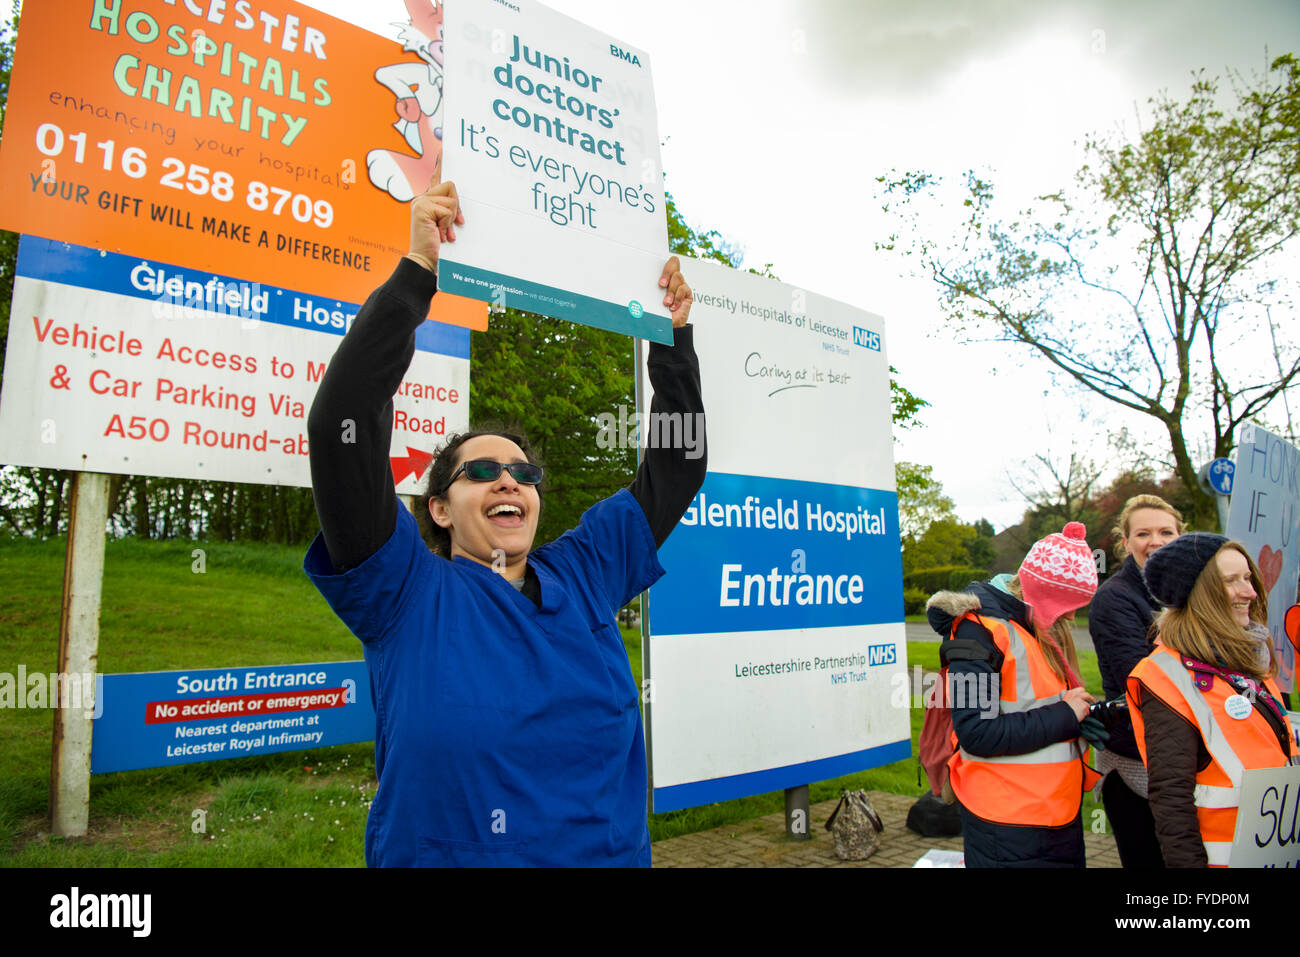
1264,515
552,139
775,649
125,365
1268,833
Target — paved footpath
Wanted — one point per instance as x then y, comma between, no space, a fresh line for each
763,843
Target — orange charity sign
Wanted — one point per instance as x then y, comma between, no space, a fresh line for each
260,139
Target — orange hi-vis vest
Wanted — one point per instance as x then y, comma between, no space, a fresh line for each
1234,745
1042,788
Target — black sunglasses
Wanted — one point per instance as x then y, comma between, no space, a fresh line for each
486,470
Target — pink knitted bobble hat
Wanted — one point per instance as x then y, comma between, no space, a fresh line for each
1059,574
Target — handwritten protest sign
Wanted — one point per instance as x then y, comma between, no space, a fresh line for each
1265,516
1268,833
552,139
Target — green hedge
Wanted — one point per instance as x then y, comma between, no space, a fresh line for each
914,600
944,577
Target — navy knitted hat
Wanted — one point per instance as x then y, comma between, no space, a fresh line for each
1172,569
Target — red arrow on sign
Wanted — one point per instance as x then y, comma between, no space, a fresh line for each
414,464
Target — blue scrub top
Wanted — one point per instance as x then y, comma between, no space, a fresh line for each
505,734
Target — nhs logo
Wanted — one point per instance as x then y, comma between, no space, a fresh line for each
866,338
881,655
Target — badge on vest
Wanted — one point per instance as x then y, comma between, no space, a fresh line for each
1238,707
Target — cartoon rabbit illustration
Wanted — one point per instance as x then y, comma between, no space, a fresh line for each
417,89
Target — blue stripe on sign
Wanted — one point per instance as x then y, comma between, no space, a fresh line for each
695,793
764,554
550,301
191,294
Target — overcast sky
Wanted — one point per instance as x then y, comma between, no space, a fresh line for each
778,117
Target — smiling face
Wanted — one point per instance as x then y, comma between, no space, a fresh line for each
1148,529
1235,571
483,517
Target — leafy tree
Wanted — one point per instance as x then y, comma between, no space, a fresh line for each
905,406
1158,276
980,552
550,379
945,542
932,535
921,501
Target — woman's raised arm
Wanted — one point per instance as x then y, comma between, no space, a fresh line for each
350,425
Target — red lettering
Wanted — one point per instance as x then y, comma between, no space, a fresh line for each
188,355
91,341
414,423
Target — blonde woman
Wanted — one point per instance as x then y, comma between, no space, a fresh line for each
1205,705
1121,622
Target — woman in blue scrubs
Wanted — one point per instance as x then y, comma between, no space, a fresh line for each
508,727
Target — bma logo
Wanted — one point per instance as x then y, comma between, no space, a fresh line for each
624,55
881,655
866,338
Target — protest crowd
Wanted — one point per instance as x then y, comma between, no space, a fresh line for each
1191,697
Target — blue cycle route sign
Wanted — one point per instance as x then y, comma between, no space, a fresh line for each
1221,471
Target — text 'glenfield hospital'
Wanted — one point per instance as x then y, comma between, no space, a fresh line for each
753,514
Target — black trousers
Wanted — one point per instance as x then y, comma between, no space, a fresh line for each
1131,822
987,844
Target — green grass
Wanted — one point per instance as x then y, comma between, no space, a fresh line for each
251,606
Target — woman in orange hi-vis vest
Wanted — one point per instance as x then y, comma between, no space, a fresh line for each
1205,705
1017,706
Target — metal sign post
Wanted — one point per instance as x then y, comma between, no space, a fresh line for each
796,813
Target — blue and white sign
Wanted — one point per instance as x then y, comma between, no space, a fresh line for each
775,642
781,554
1220,475
163,718
551,134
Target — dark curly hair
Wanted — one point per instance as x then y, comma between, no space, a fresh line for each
445,462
